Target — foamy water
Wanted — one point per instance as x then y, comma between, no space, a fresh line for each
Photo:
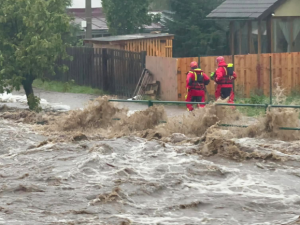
131,180
10,98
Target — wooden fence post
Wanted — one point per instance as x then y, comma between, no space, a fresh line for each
143,59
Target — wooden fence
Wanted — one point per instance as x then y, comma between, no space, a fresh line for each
114,71
253,72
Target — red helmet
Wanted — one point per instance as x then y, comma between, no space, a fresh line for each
220,59
194,65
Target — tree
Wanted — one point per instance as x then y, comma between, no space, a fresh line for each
72,36
31,41
126,16
194,35
160,4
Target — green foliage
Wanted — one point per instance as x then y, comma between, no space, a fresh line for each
194,34
160,4
79,43
71,37
255,99
156,18
34,103
69,87
126,17
31,34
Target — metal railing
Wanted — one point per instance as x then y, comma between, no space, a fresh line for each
150,103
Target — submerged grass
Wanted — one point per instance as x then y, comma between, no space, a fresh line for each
292,99
66,87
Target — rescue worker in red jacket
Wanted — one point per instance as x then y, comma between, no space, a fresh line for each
224,78
195,84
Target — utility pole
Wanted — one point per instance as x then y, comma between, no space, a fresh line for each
88,18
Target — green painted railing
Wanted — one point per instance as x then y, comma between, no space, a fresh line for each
152,102
266,106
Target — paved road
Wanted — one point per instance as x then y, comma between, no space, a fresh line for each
76,101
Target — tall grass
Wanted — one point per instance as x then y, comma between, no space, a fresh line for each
69,87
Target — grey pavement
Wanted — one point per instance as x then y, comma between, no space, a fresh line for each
77,101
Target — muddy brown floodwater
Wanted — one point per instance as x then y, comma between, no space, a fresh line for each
133,171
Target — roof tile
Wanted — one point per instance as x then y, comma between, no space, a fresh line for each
242,8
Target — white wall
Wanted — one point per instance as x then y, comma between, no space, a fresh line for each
289,8
81,4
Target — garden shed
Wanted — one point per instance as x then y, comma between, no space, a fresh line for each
158,44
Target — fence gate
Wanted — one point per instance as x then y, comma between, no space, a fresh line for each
114,71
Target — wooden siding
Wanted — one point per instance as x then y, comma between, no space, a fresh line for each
162,47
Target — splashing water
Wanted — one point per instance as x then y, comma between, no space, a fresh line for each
194,173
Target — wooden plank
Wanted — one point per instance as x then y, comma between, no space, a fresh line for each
297,71
179,77
151,92
283,68
265,65
289,73
240,79
293,69
247,61
275,67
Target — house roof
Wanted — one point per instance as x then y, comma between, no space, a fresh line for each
129,37
245,9
80,12
98,19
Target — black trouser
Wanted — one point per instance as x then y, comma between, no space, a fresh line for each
196,99
225,92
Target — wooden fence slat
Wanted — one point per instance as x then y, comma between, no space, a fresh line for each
251,73
115,71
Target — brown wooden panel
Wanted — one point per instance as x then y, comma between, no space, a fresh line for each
253,72
165,71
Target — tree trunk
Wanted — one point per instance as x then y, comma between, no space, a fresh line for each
27,85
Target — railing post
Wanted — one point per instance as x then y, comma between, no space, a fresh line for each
233,83
143,59
271,81
266,108
150,103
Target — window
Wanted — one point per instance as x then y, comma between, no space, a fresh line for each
286,33
246,37
282,38
296,35
254,37
241,37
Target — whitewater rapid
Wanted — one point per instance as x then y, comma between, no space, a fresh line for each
130,180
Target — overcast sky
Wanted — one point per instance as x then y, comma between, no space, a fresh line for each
81,3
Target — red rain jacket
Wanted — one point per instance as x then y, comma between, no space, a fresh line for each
190,79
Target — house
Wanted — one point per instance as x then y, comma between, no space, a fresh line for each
99,24
261,26
155,44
